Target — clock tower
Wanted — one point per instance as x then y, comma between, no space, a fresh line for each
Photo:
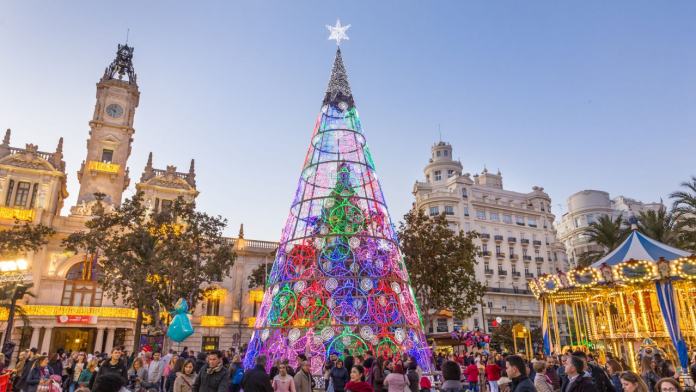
104,172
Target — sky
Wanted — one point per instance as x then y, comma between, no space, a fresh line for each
560,94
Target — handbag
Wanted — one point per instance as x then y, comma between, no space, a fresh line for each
330,388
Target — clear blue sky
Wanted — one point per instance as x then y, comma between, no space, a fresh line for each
564,95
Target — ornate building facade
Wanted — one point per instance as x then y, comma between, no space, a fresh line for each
70,310
518,239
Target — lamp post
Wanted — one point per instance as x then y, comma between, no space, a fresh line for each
14,271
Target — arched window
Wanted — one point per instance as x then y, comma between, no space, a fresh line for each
81,289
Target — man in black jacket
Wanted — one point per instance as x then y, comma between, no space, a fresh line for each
22,383
578,379
349,360
200,362
517,371
257,379
599,376
113,366
213,377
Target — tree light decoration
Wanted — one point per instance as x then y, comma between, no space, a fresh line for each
338,280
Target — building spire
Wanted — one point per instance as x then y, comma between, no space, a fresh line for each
338,89
122,65
241,231
6,140
59,149
149,160
191,176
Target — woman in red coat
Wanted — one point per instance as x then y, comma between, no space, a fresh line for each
472,375
493,374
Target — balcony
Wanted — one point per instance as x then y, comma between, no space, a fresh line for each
485,236
514,257
212,321
520,223
16,213
498,238
502,272
550,259
529,275
524,242
486,253
512,240
537,243
539,259
532,225
527,258
489,271
514,290
516,274
500,256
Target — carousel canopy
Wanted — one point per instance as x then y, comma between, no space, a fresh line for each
640,247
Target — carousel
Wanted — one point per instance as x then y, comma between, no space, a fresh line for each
637,300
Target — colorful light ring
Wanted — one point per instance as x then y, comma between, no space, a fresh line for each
338,280
635,271
583,277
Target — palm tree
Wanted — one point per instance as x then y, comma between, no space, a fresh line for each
684,212
658,225
606,232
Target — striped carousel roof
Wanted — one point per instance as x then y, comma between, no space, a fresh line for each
640,247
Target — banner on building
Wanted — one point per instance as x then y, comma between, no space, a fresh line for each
70,319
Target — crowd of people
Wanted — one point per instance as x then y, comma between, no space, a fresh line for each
218,371
575,371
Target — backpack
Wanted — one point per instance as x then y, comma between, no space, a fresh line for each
238,374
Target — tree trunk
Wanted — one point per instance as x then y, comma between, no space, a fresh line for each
138,330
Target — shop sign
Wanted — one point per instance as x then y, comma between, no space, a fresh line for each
68,319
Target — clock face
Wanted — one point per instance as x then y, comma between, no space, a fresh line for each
114,111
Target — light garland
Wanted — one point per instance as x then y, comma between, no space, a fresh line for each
256,296
583,277
215,293
550,283
48,310
685,268
212,321
16,213
104,167
635,271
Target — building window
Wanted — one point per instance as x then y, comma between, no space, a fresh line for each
548,255
590,219
81,288
484,248
107,156
577,222
466,210
442,325
520,221
449,210
434,211
438,153
532,223
486,266
212,307
526,270
524,251
544,223
507,218
536,253
23,189
446,152
546,239
10,188
438,175
464,193
476,323
497,249
538,271
450,173
166,205
210,343
512,251
494,216
481,214
33,195
534,237
542,206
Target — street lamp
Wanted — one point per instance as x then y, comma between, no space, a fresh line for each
13,271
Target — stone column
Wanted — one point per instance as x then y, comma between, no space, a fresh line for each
47,340
99,341
36,332
110,340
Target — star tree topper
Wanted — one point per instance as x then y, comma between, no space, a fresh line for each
338,32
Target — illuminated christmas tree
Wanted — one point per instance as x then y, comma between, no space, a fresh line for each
338,280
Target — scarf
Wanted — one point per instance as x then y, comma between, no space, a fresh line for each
215,369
